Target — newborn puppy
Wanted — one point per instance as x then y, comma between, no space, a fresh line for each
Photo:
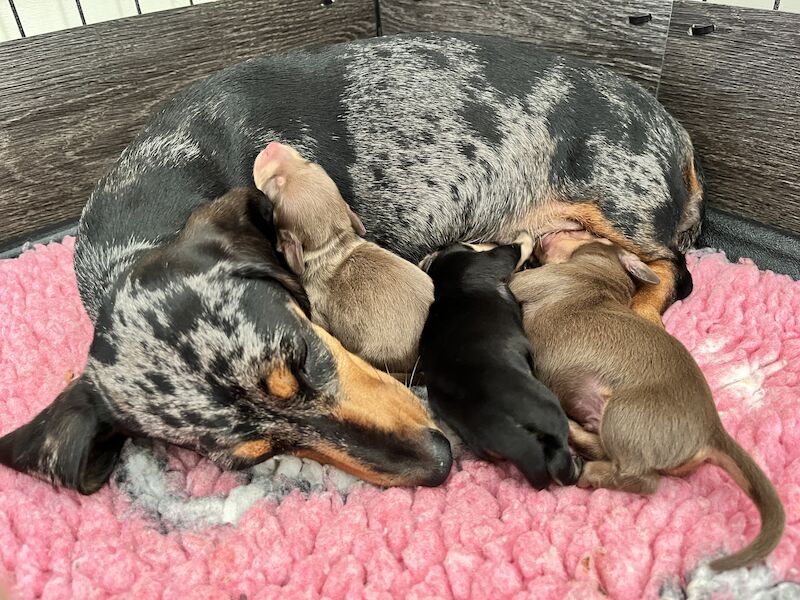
477,364
373,301
642,406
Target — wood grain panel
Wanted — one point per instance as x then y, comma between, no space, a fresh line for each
599,30
737,91
72,100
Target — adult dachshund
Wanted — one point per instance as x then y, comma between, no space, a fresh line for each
201,340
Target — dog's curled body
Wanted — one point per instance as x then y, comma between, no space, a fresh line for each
431,139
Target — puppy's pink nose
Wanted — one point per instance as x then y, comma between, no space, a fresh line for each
267,163
273,151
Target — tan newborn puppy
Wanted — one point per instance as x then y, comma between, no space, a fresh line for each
639,404
373,301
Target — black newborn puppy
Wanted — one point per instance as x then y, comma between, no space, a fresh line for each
477,364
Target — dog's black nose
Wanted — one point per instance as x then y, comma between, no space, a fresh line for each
441,459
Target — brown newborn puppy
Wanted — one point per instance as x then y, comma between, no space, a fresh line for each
373,301
642,406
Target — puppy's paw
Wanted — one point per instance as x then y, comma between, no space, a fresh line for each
525,242
564,467
485,247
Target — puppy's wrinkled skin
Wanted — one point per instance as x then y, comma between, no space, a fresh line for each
240,337
477,364
373,301
430,138
639,404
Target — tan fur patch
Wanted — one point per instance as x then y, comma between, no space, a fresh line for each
690,466
328,455
252,450
593,220
282,383
298,311
692,182
587,444
555,214
370,397
650,301
723,461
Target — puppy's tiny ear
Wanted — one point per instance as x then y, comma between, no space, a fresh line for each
355,221
292,249
72,442
634,265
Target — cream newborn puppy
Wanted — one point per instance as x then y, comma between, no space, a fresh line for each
373,301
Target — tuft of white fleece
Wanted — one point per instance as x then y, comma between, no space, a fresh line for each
143,477
142,474
756,583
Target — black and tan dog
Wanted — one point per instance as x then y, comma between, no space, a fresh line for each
432,139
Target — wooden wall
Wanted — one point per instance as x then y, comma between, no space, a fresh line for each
737,91
599,30
70,101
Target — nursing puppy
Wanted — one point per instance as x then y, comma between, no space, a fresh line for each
639,404
373,301
477,364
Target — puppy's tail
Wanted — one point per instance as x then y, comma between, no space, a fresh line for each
731,457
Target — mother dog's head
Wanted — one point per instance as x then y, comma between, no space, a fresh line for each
207,344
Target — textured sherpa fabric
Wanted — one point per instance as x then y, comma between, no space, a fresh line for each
172,526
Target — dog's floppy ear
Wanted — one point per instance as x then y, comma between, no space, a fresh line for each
634,265
267,272
355,221
71,442
292,250
260,213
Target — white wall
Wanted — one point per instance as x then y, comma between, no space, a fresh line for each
41,16
785,5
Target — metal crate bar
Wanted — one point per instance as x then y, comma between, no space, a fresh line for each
80,11
16,18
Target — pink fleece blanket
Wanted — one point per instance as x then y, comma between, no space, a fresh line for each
170,525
